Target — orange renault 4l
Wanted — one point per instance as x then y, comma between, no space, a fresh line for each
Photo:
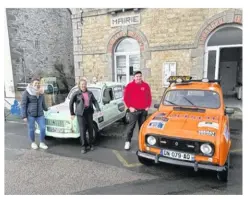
190,127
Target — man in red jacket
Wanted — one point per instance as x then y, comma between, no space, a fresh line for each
137,97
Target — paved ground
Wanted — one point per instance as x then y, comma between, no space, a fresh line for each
108,169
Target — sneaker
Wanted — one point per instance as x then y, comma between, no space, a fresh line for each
34,145
127,145
92,148
43,146
83,150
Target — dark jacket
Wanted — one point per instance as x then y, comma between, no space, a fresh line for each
32,105
78,99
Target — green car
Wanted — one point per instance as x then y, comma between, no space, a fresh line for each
110,98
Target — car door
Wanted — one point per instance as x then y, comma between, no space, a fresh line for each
109,109
120,109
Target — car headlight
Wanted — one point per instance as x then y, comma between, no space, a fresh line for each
151,140
206,149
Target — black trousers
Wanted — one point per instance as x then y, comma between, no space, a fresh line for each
140,116
86,124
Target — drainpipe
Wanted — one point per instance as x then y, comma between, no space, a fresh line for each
24,70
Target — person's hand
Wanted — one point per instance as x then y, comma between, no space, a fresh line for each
131,109
25,119
146,109
72,117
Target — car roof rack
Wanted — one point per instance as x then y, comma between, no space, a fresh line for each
188,79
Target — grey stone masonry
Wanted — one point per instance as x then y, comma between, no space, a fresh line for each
39,39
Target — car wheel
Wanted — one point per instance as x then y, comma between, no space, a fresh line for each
223,175
49,138
126,117
145,161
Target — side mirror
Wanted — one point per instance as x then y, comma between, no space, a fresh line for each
229,111
156,105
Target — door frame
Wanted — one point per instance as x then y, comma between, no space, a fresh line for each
217,62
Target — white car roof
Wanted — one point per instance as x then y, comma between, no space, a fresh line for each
101,84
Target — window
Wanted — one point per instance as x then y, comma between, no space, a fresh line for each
108,94
128,45
226,36
118,92
198,98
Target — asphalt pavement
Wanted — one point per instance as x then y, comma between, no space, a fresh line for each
109,170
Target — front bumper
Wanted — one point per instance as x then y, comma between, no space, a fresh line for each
195,165
59,135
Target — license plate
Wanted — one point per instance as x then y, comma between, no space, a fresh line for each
54,130
177,155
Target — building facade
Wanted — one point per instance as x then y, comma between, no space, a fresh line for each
110,44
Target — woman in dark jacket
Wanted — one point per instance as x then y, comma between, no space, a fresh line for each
32,107
84,100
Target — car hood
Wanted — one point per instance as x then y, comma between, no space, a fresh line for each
191,125
62,112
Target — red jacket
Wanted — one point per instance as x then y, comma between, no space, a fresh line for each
137,96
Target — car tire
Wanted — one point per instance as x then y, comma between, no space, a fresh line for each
126,117
145,161
223,175
49,138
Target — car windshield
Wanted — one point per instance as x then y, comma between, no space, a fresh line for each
96,92
193,98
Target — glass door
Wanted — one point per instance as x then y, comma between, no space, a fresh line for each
134,65
125,67
121,68
212,57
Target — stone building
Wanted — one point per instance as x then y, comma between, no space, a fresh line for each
112,43
41,43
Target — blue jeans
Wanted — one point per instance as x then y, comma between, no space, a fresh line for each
31,126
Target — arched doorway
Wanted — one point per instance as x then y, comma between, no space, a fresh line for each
223,59
126,59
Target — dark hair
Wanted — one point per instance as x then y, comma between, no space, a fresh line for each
137,72
35,79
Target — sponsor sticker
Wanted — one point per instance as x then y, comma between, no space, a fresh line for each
161,117
209,124
156,124
209,133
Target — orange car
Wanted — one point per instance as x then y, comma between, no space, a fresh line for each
190,128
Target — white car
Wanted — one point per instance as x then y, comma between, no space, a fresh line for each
58,118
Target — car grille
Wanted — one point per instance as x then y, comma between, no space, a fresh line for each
59,123
179,145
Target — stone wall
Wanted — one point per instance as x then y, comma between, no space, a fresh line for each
163,34
39,40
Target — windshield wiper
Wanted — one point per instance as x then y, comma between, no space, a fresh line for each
181,108
189,101
172,102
